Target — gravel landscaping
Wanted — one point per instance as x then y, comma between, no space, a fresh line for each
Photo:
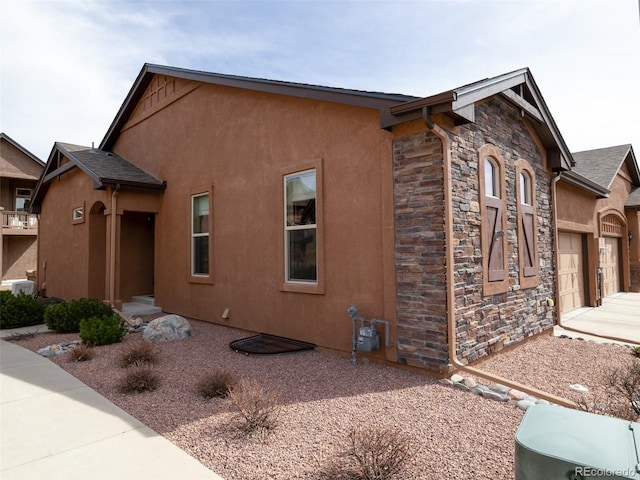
454,434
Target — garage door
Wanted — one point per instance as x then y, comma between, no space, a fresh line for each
571,257
610,259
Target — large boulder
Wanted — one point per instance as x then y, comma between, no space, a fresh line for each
167,329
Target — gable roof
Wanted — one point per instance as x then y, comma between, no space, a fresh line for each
16,161
105,168
7,138
518,87
375,100
602,165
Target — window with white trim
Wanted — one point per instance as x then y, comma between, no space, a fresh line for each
200,234
23,199
301,253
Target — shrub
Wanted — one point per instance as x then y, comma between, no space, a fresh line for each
378,453
81,353
139,355
66,317
622,398
20,310
257,407
636,351
139,380
215,385
103,330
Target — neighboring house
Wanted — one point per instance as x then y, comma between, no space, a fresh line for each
599,227
19,174
286,203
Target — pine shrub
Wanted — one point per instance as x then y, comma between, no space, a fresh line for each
66,317
20,310
103,330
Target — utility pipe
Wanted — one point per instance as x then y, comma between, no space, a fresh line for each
554,184
112,256
451,316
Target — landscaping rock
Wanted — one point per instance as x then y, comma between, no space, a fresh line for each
516,394
525,404
455,378
167,329
492,395
479,389
461,386
498,388
469,382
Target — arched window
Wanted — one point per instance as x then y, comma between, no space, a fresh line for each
525,188
492,196
527,225
491,178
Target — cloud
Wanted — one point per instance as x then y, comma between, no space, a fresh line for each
67,65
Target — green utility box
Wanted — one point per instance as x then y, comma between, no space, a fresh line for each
557,443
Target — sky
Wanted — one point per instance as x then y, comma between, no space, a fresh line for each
66,66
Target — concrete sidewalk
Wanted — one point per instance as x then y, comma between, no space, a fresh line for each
54,426
618,318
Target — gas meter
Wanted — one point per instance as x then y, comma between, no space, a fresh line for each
368,339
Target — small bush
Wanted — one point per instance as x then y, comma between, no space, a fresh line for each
139,380
622,397
257,407
66,317
103,330
139,355
636,351
215,385
20,310
378,453
81,353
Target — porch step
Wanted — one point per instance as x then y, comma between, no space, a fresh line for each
131,309
146,299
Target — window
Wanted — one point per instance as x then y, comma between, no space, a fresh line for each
525,188
23,199
78,213
200,235
491,178
493,226
527,232
301,253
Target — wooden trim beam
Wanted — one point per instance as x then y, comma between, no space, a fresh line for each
523,104
59,171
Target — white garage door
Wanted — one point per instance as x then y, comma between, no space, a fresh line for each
610,259
571,257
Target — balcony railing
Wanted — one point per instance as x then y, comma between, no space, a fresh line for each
20,222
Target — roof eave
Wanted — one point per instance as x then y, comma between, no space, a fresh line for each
577,180
378,101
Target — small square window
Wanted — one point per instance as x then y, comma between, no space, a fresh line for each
78,213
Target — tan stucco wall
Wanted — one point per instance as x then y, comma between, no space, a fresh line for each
240,143
65,246
19,254
579,211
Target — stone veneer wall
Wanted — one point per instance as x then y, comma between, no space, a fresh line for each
486,324
420,246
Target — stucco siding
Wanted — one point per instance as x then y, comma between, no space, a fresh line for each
239,143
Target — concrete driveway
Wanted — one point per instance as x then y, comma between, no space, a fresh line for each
618,318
